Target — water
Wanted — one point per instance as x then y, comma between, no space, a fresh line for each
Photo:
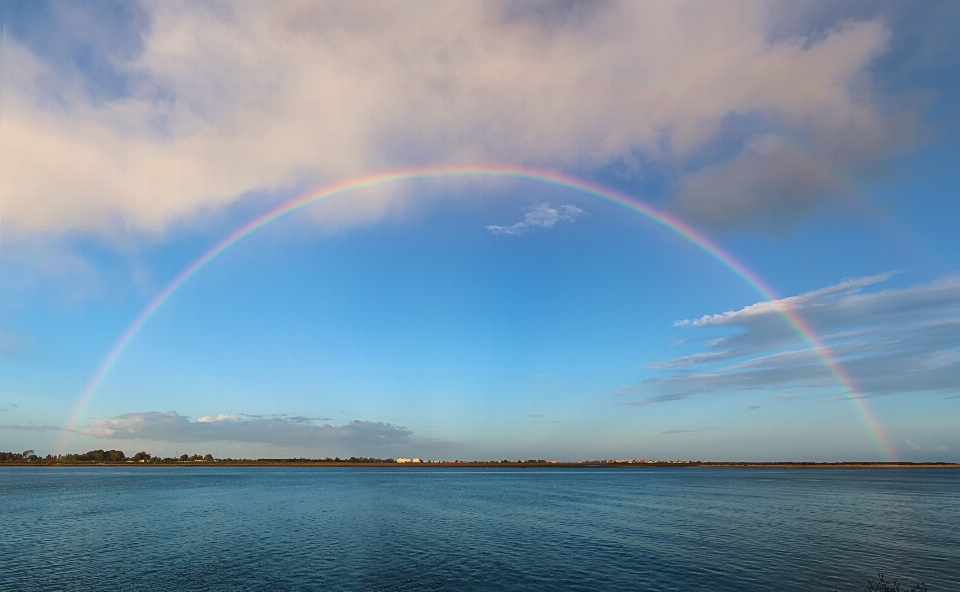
212,528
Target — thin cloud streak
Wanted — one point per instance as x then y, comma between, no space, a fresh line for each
30,427
895,341
691,430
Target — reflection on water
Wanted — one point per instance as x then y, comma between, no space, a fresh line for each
208,528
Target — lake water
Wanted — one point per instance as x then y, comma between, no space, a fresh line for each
212,528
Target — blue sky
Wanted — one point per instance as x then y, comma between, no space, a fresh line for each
461,318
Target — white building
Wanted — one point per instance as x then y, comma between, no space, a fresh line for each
402,460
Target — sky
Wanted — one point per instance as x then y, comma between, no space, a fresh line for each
792,291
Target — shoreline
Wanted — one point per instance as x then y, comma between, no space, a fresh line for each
491,465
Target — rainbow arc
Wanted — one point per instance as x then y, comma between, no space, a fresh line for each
328,192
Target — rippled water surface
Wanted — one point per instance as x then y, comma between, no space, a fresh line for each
213,528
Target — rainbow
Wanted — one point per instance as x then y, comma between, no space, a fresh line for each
328,192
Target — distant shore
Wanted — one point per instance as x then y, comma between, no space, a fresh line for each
301,463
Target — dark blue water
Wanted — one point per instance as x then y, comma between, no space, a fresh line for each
208,528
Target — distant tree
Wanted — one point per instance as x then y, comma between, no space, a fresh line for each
208,458
141,456
184,458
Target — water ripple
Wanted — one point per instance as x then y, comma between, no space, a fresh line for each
437,529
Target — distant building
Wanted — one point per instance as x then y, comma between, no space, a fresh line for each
416,460
402,460
551,462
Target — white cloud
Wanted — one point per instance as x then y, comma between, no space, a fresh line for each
893,341
221,417
228,98
539,216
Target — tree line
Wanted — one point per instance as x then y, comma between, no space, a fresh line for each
98,456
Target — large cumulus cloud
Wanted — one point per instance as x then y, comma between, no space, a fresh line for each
194,104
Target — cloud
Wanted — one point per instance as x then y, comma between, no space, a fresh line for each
9,407
539,216
535,415
30,427
221,417
773,183
179,107
691,431
785,396
894,341
285,416
915,447
355,437
37,262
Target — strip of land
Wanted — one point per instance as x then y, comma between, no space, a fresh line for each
116,458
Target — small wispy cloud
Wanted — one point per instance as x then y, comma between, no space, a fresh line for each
294,417
692,430
30,427
915,447
9,407
646,401
535,415
785,396
542,215
756,407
